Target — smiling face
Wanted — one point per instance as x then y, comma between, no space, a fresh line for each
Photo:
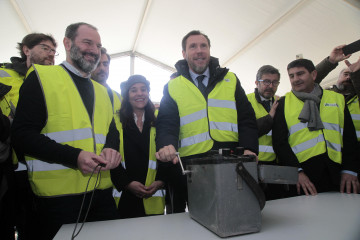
301,79
197,53
84,51
138,96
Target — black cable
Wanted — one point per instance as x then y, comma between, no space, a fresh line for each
73,236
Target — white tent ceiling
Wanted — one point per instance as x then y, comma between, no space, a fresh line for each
244,34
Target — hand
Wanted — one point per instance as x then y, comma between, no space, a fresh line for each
305,183
348,180
273,108
112,158
138,189
156,185
353,67
88,161
167,154
248,152
337,54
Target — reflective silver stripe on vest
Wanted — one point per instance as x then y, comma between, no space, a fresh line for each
4,74
224,126
193,117
159,193
330,126
70,135
152,164
21,167
202,137
38,166
264,148
334,146
333,126
269,133
355,116
116,193
297,127
100,138
123,164
308,144
221,103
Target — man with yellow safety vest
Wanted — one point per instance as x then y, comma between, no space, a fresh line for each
348,84
64,127
313,131
35,48
264,104
204,108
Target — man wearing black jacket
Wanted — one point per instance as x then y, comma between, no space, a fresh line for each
204,108
64,128
313,131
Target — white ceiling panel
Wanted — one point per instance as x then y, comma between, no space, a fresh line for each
245,34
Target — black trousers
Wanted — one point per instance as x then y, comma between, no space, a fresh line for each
55,211
25,209
176,191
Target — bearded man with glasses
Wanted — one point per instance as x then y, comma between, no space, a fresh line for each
16,205
264,102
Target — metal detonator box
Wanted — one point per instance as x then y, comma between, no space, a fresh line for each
221,194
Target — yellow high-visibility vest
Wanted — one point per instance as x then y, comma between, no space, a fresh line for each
156,203
354,109
116,110
307,144
68,122
204,120
11,78
266,151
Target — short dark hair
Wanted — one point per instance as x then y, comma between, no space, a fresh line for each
71,30
266,69
192,33
104,51
306,63
33,39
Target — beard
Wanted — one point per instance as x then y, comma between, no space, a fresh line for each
198,69
100,77
346,88
77,56
36,59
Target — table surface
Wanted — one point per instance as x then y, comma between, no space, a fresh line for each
330,216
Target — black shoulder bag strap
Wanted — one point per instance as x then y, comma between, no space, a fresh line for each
254,186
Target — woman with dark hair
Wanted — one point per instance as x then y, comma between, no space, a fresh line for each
139,187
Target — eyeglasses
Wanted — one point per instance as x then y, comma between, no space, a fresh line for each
48,49
268,82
